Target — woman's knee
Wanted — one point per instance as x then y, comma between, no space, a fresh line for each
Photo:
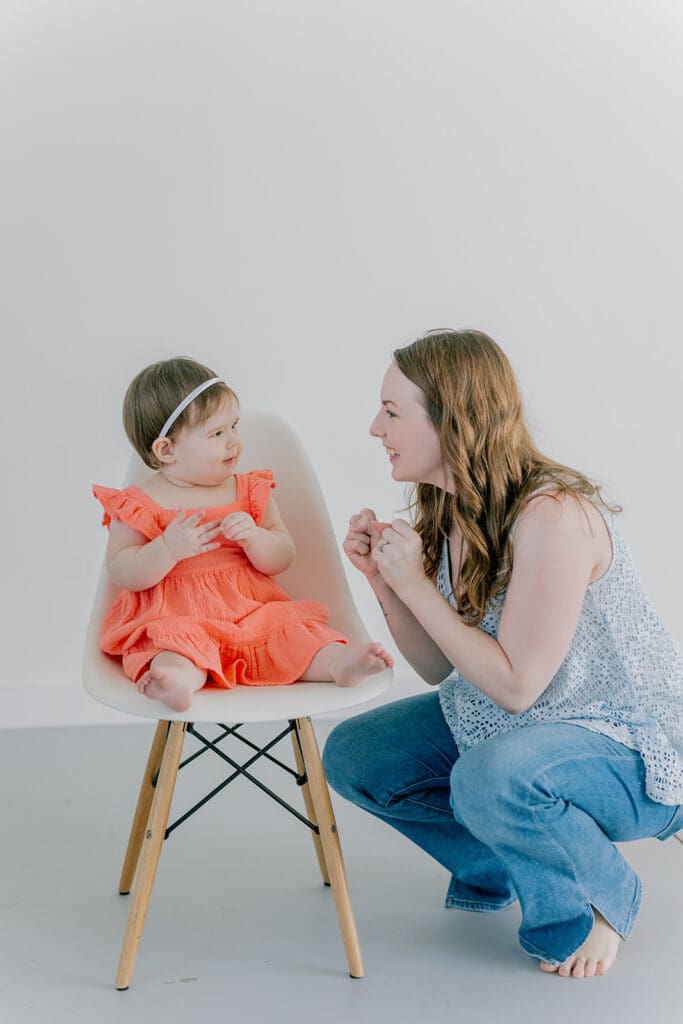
343,760
374,755
485,781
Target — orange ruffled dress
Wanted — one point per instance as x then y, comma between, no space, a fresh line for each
214,608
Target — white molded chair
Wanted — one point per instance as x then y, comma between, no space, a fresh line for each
316,573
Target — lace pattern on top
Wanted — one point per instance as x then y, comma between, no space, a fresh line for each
622,677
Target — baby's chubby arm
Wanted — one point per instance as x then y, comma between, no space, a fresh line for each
269,547
136,563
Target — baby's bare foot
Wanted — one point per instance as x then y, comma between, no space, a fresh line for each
596,956
355,662
168,683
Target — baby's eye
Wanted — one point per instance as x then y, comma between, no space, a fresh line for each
218,433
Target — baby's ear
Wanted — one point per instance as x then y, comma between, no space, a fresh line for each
162,449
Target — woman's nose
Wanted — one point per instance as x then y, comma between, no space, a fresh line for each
375,429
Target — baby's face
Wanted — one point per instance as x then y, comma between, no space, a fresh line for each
207,454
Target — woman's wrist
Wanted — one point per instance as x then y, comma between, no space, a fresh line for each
413,593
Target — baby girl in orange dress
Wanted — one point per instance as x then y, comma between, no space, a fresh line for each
194,550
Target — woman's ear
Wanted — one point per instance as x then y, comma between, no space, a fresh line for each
163,450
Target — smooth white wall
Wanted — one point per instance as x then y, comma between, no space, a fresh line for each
288,191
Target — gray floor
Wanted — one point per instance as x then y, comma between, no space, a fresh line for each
240,927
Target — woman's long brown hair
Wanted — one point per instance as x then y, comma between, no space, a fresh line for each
473,400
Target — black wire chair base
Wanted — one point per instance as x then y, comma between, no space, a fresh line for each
241,770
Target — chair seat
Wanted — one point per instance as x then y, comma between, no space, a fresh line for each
107,684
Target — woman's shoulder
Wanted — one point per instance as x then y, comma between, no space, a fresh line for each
564,524
553,507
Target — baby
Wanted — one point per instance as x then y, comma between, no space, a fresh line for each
194,550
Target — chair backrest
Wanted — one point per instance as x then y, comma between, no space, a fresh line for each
317,573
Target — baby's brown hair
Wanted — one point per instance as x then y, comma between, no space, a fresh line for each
157,391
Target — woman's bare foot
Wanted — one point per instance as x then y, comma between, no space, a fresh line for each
172,679
596,956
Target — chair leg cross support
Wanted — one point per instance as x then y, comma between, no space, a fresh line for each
240,770
150,825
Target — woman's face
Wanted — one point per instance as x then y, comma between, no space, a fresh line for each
407,433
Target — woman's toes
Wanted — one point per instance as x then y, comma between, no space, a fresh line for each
579,969
589,968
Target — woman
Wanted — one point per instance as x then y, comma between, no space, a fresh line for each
558,726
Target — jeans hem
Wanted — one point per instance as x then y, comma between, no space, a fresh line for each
478,907
622,932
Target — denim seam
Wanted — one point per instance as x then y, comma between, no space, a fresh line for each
670,822
415,786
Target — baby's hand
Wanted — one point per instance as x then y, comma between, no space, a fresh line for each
240,528
184,537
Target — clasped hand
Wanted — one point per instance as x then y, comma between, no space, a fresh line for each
397,549
394,550
240,528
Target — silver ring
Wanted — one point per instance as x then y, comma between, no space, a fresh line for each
382,544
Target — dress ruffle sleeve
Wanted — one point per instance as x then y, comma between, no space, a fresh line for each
259,485
127,508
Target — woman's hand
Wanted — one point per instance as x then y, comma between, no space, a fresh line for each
362,538
398,556
184,537
240,528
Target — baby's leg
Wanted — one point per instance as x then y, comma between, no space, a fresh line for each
347,664
173,679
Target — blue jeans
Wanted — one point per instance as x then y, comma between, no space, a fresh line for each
532,814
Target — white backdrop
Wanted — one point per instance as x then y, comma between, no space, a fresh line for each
288,191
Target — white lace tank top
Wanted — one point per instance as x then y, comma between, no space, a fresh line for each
622,676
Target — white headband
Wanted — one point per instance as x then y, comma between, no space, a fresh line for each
185,402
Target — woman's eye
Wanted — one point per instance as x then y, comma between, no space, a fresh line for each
390,414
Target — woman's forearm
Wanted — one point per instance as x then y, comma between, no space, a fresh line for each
415,644
478,657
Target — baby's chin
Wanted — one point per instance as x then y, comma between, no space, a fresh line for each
214,479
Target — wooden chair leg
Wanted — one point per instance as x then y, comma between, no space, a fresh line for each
310,810
329,838
151,851
144,803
